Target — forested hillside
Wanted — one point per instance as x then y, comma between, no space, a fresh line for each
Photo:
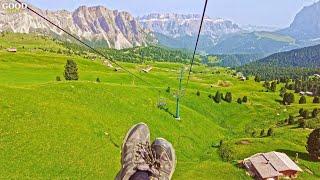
231,60
291,64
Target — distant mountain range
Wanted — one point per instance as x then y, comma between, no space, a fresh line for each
109,28
178,25
221,36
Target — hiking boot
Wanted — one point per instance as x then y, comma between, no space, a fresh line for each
136,152
165,159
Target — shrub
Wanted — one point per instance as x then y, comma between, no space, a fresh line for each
217,97
98,80
168,90
315,113
262,132
71,71
228,97
226,152
257,79
254,133
288,98
58,78
302,123
316,100
270,132
301,111
313,145
291,120
245,99
303,100
198,93
305,114
283,91
239,101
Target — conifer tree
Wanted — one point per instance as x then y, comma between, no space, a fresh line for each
71,71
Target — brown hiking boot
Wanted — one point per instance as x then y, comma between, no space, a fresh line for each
136,152
165,159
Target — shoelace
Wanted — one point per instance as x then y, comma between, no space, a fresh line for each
146,152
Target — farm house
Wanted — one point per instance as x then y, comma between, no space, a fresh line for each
271,166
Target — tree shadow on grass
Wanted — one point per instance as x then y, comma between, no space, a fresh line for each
302,155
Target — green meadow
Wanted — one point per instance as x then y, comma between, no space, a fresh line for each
74,130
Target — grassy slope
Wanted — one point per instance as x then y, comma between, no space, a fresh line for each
64,129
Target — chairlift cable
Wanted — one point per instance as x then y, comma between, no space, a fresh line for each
196,46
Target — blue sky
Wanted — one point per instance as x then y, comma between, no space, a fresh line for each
277,13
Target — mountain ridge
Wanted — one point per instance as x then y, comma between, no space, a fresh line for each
97,23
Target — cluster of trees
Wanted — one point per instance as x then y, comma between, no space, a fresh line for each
305,114
230,60
305,84
271,86
269,73
218,97
270,132
242,100
150,53
289,98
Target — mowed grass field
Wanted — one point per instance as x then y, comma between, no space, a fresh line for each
74,130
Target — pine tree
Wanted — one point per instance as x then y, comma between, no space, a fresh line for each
273,86
245,99
239,101
262,133
270,132
291,120
71,71
257,79
303,100
217,97
283,91
228,97
315,113
316,100
305,114
301,111
198,93
288,98
313,145
168,90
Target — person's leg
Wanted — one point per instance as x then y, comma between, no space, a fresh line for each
140,175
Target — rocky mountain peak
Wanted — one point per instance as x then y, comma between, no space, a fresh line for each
306,24
175,25
114,28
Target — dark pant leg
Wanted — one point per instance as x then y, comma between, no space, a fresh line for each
140,175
